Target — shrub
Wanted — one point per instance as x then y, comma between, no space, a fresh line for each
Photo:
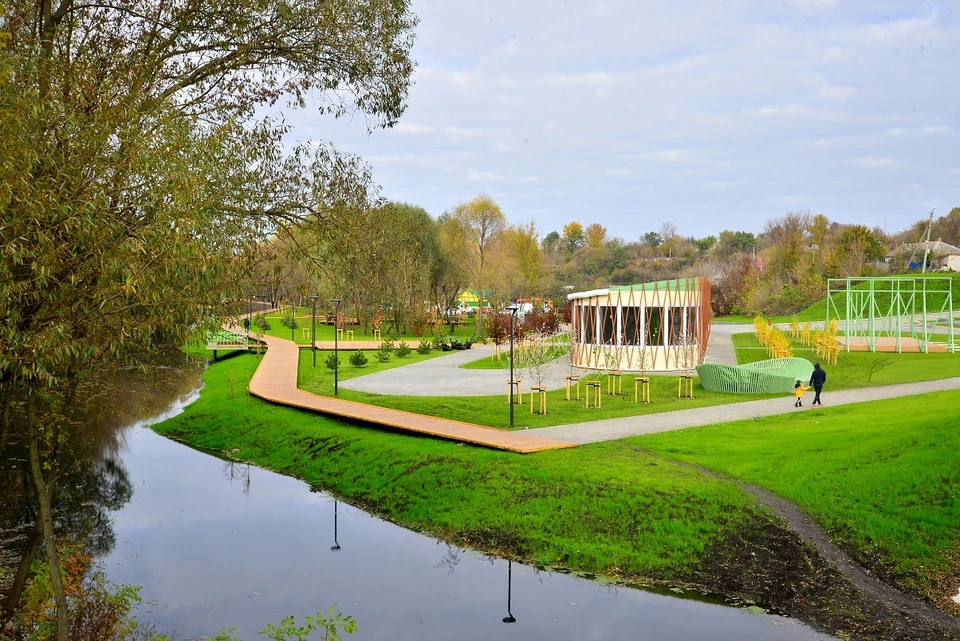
290,320
387,346
358,359
424,347
383,355
332,362
262,322
403,350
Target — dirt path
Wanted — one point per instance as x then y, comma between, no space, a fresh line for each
895,615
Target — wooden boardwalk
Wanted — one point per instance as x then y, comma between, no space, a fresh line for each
276,380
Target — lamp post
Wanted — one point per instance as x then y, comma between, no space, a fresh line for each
336,357
313,329
513,313
509,618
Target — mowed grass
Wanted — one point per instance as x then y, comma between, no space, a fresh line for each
882,478
494,411
605,508
862,369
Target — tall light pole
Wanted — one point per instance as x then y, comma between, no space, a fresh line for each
513,313
313,329
336,357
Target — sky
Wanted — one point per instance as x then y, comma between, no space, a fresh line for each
705,114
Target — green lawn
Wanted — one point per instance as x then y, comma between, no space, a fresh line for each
883,478
494,411
862,369
603,508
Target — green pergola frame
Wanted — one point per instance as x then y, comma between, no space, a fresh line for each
882,306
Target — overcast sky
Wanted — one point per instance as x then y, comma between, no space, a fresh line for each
708,114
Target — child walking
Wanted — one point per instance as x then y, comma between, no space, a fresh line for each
799,389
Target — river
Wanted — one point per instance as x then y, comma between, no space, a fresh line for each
217,544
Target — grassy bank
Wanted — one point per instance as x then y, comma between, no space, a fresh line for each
882,479
605,509
631,509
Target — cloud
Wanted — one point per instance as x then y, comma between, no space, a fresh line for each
872,162
836,92
589,78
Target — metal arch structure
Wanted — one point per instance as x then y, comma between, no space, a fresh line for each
891,309
777,375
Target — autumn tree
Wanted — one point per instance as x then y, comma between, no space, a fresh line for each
595,235
573,237
136,177
482,222
521,260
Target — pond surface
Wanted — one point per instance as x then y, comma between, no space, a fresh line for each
218,544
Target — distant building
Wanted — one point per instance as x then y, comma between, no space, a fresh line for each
939,255
658,326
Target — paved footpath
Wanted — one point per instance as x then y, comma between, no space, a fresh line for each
617,428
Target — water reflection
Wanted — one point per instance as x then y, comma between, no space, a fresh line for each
509,618
336,544
88,479
211,553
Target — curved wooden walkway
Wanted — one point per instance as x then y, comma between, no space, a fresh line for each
276,380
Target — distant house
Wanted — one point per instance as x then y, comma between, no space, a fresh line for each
469,299
939,254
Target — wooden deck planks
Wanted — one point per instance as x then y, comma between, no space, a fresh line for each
276,380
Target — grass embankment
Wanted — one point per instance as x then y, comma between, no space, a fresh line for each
883,479
862,369
493,411
600,509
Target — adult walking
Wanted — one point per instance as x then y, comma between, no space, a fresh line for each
817,379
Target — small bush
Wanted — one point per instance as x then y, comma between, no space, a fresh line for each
262,322
383,355
358,359
403,350
290,320
387,346
424,347
332,362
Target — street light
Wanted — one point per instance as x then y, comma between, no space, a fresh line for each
313,329
509,618
336,357
513,313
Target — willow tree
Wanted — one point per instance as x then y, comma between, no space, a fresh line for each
134,175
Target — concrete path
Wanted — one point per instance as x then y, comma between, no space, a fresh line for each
617,428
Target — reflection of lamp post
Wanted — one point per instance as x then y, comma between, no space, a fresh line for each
313,329
513,313
509,618
336,546
336,357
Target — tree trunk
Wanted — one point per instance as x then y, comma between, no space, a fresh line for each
44,498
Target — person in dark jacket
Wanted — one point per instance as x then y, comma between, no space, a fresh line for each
817,379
